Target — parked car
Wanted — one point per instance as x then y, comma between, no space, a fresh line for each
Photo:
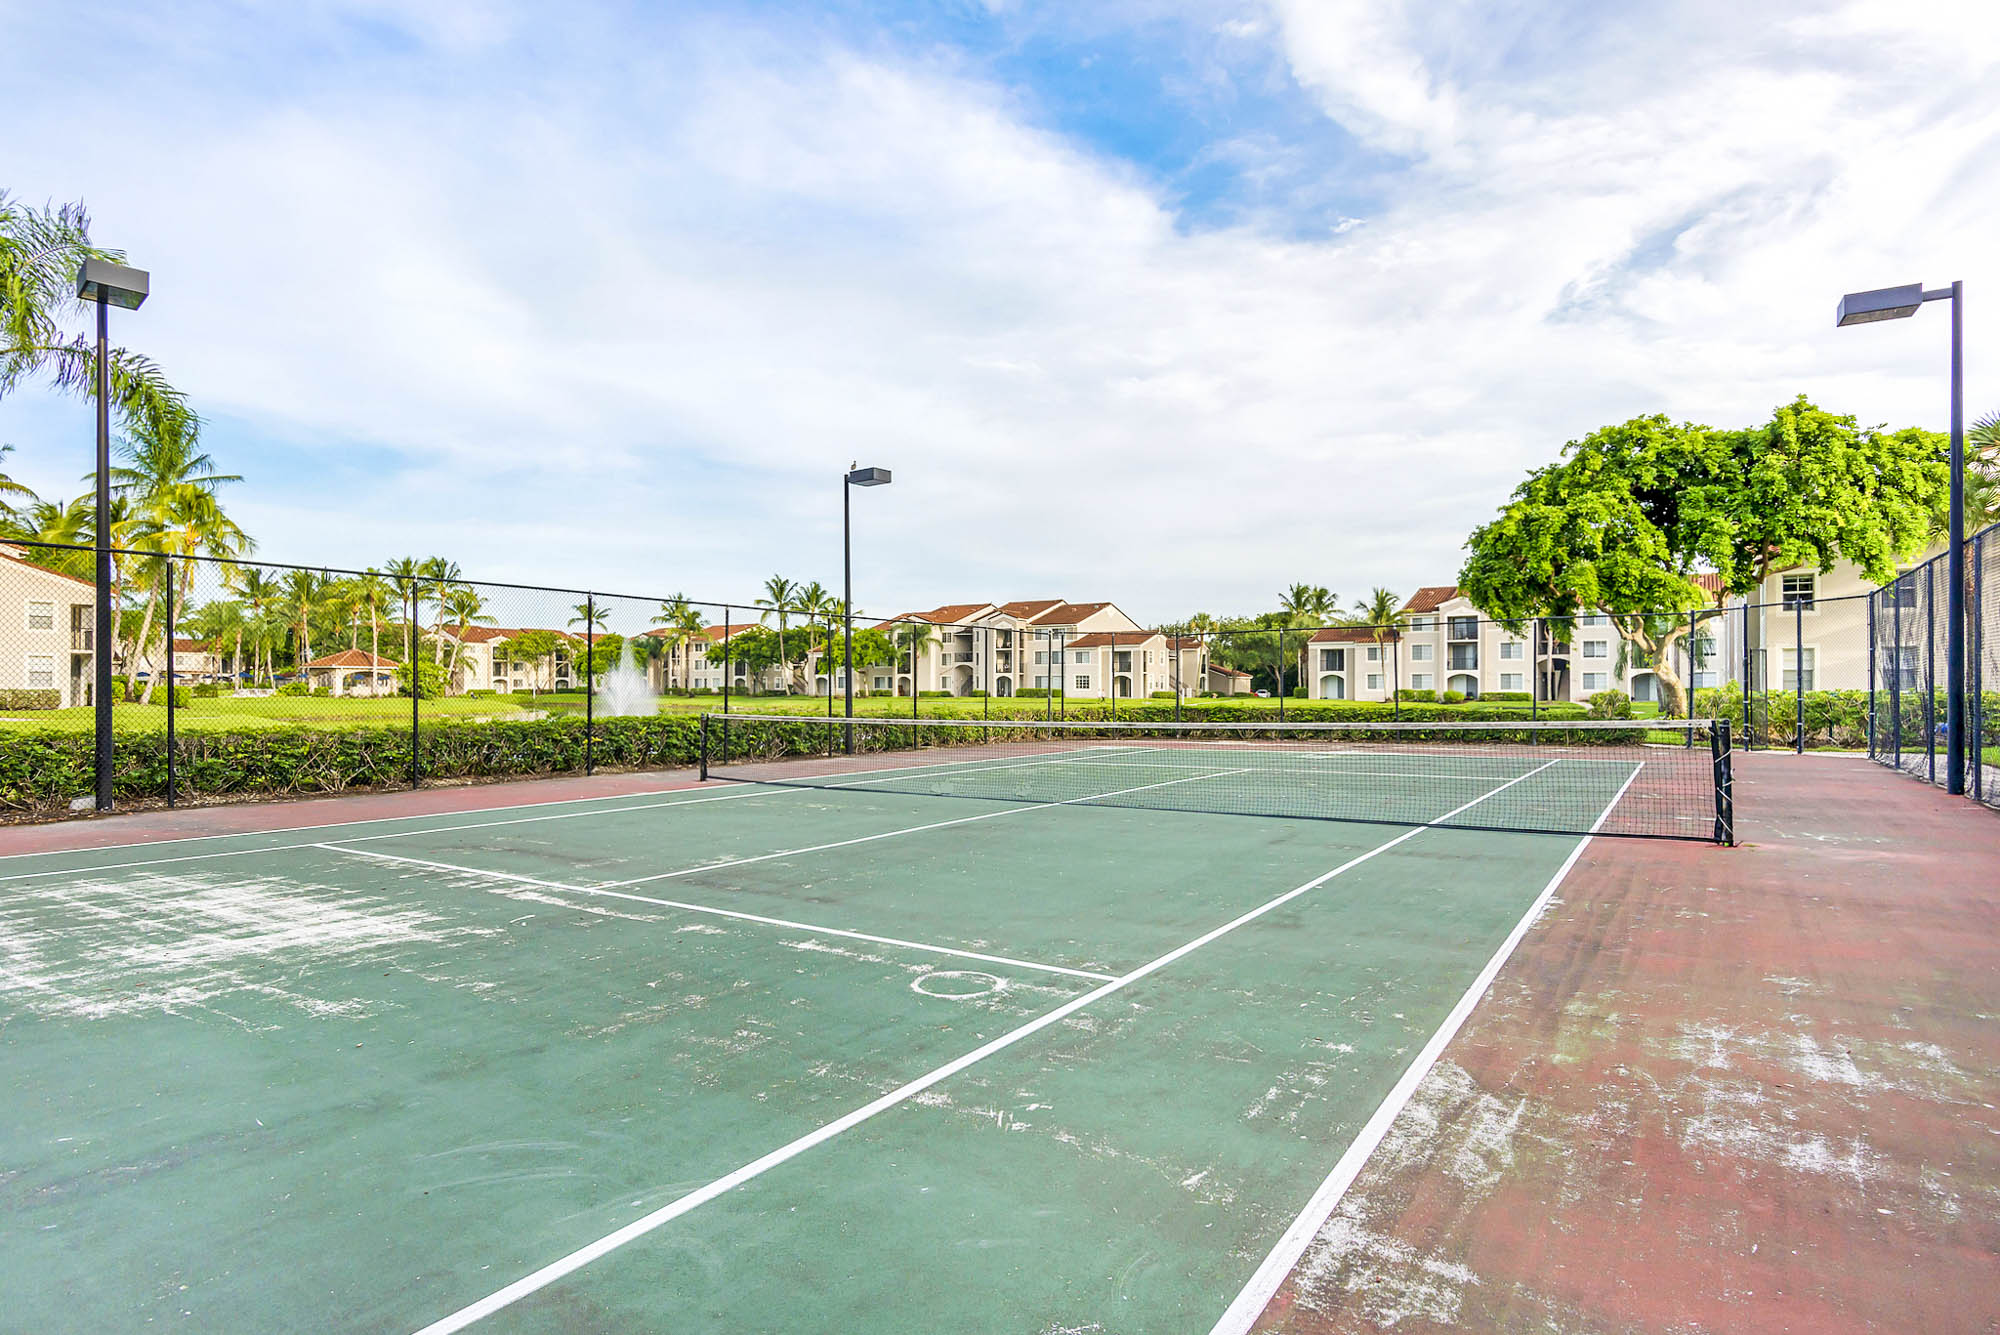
1263,695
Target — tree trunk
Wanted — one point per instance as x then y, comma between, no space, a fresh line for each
1658,654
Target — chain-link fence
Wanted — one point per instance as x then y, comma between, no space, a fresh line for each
1909,640
234,679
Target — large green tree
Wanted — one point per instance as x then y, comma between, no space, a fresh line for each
1625,520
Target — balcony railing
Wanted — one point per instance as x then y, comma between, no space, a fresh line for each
1463,628
1464,658
80,640
964,656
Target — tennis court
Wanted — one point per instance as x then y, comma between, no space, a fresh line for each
1026,1033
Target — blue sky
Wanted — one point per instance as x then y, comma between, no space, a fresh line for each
1171,303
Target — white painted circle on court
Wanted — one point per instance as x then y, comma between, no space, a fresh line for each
958,984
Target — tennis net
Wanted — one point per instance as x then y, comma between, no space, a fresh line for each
1655,778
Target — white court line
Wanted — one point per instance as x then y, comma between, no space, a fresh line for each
965,767
1263,1285
640,1227
812,928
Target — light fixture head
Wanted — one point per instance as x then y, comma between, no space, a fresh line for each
114,283
868,477
1884,303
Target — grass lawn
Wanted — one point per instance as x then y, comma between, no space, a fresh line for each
234,714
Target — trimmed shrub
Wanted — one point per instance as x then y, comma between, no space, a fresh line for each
1420,697
36,699
294,688
1452,698
1610,704
1507,697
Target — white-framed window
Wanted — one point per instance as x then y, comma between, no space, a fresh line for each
1423,623
1702,679
41,616
1597,648
1596,681
41,672
1374,681
1332,660
1421,653
1594,620
1082,656
1041,635
1510,649
1042,682
1798,665
1082,684
1797,591
1374,653
1903,593
1041,657
1511,681
1420,681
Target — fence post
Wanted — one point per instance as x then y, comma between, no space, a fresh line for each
728,672
1896,673
416,682
983,637
1930,670
1396,677
1281,674
1535,669
1062,701
1799,676
1872,651
1749,734
1175,642
1975,705
1725,782
1110,677
172,770
589,678
1691,677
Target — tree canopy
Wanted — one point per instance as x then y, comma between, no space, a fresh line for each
1630,514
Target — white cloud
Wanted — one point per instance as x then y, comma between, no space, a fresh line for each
621,313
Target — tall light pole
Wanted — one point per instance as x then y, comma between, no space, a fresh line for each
856,477
1896,303
108,285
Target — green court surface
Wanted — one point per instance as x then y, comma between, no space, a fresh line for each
739,1058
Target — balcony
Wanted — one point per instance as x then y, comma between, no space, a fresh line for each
961,656
1463,658
80,641
1462,628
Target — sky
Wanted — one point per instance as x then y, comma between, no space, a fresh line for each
1167,302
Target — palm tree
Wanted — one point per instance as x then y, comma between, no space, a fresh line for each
913,637
781,597
9,487
372,596
261,596
1307,604
190,524
65,524
40,251
466,609
683,624
406,572
1380,608
811,599
304,592
443,574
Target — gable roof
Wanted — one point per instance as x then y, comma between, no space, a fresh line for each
1709,580
1185,642
1068,614
950,614
1027,609
1431,597
1226,671
1099,638
18,556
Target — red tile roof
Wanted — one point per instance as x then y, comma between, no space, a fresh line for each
951,613
360,658
1709,580
1185,642
1098,639
1227,671
182,646
1028,609
1431,597
1068,614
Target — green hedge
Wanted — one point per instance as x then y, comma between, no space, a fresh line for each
23,699
42,771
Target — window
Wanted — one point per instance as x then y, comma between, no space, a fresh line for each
1597,648
1903,593
1593,621
1798,664
1042,683
1082,684
1374,681
1464,628
1374,653
1464,657
1041,635
1797,592
1082,656
41,672
1423,623
41,616
1702,679
1899,667
1420,681
1041,657
1596,681
1511,681
1510,649
1420,653
1333,660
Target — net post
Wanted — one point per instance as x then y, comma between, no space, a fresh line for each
1062,656
704,748
172,771
982,636
727,673
1535,670
1975,707
1745,638
1110,677
589,678
1896,675
1725,782
1396,677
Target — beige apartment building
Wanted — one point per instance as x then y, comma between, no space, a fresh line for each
48,629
